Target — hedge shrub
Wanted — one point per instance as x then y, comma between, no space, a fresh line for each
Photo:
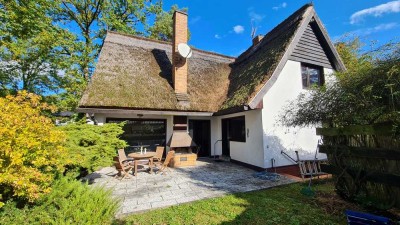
90,147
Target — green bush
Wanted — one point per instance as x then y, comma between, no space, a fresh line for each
90,147
69,202
31,149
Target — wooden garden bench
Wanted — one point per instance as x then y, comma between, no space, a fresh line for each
311,168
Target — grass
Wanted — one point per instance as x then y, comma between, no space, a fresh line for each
280,205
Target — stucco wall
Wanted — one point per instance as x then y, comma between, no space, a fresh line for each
277,138
251,151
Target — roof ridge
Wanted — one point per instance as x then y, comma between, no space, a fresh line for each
307,16
258,66
167,43
251,50
138,37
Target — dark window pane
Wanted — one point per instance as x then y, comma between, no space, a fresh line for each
311,75
142,132
304,76
237,129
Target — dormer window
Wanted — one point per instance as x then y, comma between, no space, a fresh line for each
311,75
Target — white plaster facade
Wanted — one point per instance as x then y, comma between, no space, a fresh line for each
278,138
251,151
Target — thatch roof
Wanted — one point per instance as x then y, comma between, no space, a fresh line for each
253,68
135,73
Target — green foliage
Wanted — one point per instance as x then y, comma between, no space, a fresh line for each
350,53
31,149
162,28
69,202
32,48
126,15
369,92
95,17
90,147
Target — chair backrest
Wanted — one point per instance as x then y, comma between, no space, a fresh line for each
159,152
170,155
122,155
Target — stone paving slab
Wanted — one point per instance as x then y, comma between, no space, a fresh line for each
207,179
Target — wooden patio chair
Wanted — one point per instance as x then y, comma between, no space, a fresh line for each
159,154
164,165
123,167
122,156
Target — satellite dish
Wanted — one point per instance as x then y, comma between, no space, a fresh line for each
184,50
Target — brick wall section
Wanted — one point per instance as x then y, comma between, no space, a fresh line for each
293,170
257,39
180,67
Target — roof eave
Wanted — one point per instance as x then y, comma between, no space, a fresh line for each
232,110
119,111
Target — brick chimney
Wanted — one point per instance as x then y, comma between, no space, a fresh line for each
257,39
179,64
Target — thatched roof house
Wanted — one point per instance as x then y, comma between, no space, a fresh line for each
236,100
136,73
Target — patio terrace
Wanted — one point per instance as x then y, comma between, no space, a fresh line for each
206,180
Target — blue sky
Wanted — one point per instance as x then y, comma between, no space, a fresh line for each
224,26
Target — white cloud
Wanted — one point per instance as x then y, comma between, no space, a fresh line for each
376,29
255,16
385,26
280,6
217,36
238,29
390,7
380,27
195,20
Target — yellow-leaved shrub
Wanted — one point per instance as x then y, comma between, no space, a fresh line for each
31,149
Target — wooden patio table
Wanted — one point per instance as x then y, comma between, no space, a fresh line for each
137,156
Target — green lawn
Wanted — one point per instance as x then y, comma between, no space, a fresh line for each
280,205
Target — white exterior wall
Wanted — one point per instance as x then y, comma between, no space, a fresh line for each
251,151
278,138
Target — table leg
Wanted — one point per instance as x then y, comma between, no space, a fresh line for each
135,163
151,165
